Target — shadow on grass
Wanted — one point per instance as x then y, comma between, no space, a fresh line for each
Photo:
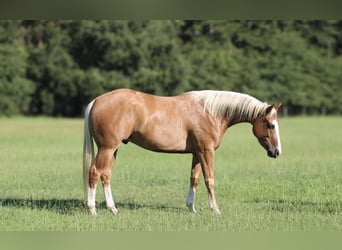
132,205
71,206
281,205
61,206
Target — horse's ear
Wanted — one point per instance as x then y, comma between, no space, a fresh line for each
275,106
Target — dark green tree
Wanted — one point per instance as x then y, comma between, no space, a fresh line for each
15,88
57,67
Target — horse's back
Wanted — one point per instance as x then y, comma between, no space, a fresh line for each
128,98
115,96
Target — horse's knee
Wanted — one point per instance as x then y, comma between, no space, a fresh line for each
209,183
105,178
194,182
93,176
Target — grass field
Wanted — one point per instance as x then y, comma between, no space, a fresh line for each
41,181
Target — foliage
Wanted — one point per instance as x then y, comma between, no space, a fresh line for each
57,67
15,88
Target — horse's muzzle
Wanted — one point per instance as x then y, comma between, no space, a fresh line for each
273,153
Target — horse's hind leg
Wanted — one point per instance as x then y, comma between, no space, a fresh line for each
102,167
105,179
93,178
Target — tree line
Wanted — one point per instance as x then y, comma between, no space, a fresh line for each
57,67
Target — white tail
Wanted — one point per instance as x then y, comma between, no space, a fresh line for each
88,148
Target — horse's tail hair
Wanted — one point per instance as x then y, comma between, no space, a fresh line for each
88,148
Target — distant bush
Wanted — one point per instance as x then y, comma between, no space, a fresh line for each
57,67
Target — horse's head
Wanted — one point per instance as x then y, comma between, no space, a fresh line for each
266,129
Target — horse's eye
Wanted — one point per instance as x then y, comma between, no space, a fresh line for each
270,126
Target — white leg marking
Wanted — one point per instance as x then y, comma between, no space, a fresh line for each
213,204
190,201
109,199
91,200
276,127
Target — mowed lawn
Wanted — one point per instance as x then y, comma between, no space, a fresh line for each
41,181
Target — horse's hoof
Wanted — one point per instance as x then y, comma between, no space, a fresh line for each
92,211
216,211
113,210
191,208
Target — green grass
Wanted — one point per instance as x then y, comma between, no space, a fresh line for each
41,181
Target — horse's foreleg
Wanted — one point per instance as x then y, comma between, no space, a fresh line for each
211,194
194,180
207,164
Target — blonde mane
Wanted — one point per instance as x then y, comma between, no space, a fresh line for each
232,105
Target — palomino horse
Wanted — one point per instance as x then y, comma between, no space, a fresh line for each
193,122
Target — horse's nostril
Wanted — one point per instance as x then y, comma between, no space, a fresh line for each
273,154
277,152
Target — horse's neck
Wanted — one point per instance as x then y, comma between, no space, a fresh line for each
237,120
243,116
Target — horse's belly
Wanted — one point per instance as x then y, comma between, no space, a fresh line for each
160,141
